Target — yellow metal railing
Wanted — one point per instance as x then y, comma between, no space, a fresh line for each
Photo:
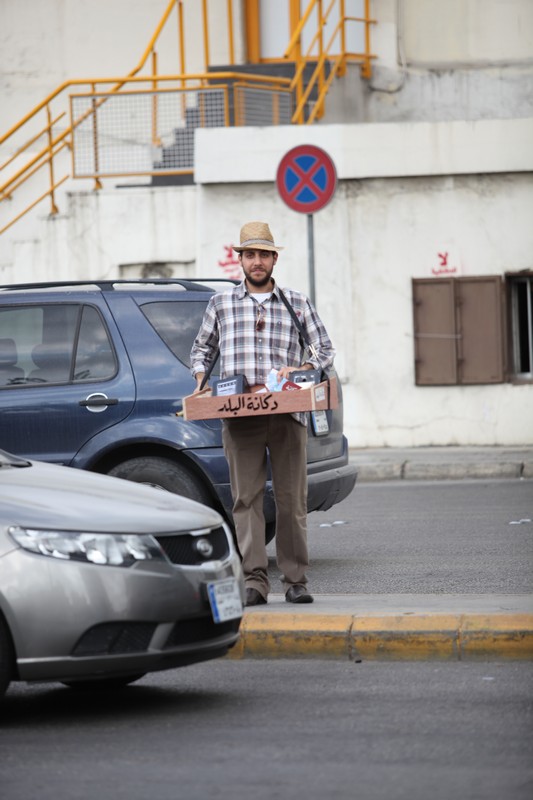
326,54
56,135
122,133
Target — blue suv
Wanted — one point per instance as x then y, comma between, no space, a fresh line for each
92,376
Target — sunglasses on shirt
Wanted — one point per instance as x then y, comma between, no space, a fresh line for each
260,321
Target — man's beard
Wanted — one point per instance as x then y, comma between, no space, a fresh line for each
259,282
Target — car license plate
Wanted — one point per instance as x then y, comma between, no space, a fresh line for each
320,423
225,599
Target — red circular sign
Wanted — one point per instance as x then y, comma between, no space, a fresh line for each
306,178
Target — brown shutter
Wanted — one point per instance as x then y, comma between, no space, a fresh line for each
435,335
480,327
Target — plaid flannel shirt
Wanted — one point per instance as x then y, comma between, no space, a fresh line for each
229,324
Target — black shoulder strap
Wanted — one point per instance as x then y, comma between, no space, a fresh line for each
304,339
209,370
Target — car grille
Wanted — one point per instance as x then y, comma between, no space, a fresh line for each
180,549
114,638
188,631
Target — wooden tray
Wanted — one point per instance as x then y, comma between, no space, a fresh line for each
203,405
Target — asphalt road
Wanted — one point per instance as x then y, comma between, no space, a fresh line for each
424,537
263,730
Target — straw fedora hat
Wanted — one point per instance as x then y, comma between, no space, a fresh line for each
256,236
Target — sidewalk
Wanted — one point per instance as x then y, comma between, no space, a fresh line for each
403,627
441,463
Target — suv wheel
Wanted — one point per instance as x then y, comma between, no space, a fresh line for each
163,474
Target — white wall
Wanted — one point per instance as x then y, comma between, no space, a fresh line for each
459,59
44,43
474,32
398,227
48,42
452,33
98,233
377,150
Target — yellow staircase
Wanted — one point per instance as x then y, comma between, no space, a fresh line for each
142,124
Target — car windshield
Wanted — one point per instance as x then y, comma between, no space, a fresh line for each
8,460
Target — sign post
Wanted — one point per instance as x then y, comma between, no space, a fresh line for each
306,181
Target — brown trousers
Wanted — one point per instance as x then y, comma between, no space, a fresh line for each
246,441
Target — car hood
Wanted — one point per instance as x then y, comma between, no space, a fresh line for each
47,496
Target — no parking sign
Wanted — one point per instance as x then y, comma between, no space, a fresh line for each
306,181
306,178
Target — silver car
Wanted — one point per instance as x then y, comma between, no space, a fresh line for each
103,580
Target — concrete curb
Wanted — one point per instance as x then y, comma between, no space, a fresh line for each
389,631
441,463
419,471
431,637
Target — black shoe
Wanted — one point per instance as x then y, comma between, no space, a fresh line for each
298,594
254,598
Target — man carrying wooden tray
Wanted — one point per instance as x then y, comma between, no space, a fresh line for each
254,331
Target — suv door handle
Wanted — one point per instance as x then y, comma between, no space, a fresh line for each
98,401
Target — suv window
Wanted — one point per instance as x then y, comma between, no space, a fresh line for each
20,330
37,343
95,359
177,324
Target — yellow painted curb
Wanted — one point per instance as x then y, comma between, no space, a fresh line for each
405,637
395,637
293,636
510,633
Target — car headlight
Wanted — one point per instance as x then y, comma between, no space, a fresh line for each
112,549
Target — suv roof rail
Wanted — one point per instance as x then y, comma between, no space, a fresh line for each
199,284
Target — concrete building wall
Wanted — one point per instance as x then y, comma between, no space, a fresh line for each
461,59
471,32
44,43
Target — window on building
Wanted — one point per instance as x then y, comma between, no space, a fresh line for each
460,332
521,319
